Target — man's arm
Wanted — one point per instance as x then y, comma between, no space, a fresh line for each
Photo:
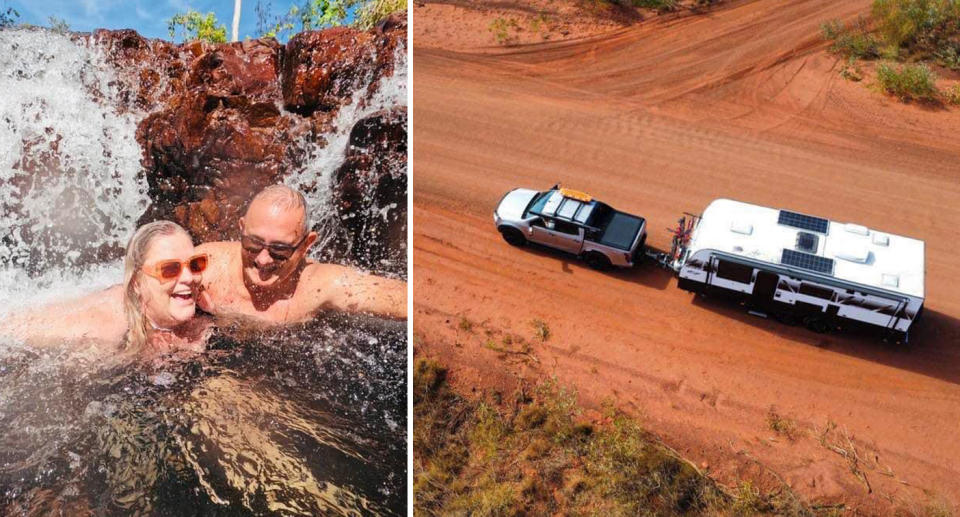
340,288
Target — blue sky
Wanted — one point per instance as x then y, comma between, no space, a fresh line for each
148,17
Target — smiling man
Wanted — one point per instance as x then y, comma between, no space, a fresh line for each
267,275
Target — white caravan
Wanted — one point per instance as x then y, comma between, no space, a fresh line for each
802,269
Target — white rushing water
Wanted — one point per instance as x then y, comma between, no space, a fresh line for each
69,166
322,161
71,183
70,175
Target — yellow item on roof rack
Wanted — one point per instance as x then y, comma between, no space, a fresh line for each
576,194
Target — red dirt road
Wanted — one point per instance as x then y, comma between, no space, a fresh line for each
741,102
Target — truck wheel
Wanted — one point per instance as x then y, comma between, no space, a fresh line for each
597,261
513,236
817,324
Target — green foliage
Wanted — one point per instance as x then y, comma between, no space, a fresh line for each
58,25
540,329
916,23
539,22
428,378
500,27
195,26
310,15
914,30
948,56
317,14
634,471
851,71
908,81
953,94
530,455
782,425
750,501
660,5
920,29
9,18
855,41
374,11
831,29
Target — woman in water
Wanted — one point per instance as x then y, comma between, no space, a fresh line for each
150,315
152,449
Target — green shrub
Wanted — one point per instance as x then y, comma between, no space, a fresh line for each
908,81
916,23
920,29
428,377
660,5
540,329
58,25
318,14
533,457
831,29
855,41
953,94
500,27
851,71
948,56
195,26
376,10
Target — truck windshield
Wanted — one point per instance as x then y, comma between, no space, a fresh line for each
537,204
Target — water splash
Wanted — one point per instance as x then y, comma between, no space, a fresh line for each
70,185
323,159
71,190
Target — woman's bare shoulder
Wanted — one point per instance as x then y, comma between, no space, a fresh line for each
96,317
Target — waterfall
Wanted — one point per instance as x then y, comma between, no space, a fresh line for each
71,186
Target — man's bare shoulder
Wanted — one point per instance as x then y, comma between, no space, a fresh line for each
325,268
224,256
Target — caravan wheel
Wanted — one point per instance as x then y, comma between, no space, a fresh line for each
787,318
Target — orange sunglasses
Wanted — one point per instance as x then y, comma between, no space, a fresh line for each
171,269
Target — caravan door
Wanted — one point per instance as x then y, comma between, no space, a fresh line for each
764,287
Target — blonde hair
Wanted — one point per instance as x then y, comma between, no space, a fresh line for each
137,322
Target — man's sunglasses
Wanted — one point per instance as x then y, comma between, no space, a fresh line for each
171,269
279,252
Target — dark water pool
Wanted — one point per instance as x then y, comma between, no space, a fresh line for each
300,421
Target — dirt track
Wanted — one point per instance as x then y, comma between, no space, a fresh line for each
742,102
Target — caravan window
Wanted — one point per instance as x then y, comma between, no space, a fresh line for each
816,291
734,271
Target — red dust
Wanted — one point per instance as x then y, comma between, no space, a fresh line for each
659,118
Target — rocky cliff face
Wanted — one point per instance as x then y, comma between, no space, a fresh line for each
226,120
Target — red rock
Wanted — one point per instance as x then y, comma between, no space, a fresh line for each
225,120
322,70
370,192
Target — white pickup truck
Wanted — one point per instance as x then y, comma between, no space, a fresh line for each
574,222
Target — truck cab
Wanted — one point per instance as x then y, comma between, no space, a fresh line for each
573,222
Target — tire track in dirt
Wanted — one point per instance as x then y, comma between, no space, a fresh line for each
659,120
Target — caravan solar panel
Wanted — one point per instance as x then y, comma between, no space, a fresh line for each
804,222
807,261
